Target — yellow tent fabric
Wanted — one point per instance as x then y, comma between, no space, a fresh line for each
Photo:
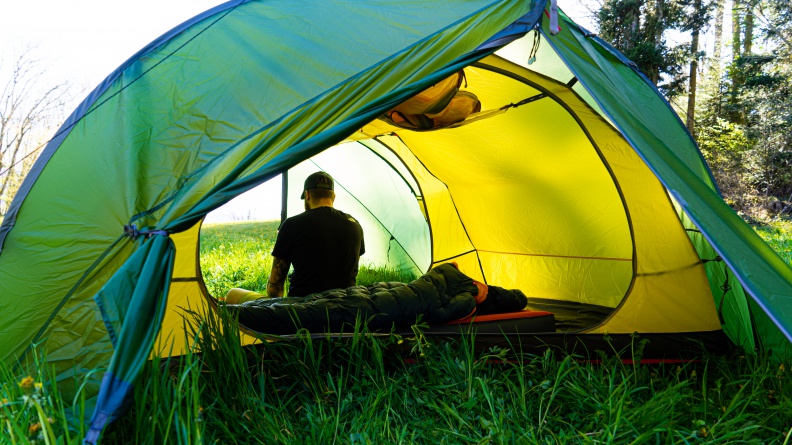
545,196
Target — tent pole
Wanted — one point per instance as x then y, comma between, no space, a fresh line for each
284,195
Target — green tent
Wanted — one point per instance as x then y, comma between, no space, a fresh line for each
576,183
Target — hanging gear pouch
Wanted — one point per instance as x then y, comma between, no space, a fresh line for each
438,106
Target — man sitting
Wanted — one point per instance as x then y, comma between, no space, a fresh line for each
323,244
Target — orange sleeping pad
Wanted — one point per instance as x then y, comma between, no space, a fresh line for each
521,322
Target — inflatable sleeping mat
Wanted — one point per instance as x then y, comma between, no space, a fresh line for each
521,322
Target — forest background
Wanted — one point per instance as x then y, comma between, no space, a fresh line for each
725,66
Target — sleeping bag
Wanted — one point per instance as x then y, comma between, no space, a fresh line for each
443,294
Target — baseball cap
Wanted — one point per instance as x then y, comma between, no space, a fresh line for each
318,180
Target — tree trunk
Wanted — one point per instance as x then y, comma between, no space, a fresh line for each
749,25
716,54
736,29
735,115
715,70
694,42
658,35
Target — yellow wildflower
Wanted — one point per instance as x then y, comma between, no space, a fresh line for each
34,428
26,383
39,386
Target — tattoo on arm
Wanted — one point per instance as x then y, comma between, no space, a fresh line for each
277,278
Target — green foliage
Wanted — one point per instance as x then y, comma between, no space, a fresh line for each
237,255
778,235
391,389
746,113
369,275
31,407
637,28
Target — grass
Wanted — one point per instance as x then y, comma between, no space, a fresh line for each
393,389
779,236
238,255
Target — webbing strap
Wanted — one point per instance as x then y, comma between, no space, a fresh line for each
133,232
725,287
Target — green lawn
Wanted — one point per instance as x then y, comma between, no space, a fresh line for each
393,389
779,236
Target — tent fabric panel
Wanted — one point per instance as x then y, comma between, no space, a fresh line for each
393,162
186,265
662,247
173,339
449,238
535,187
768,336
733,304
573,218
395,232
674,159
547,63
186,31
469,265
137,292
669,302
169,144
186,294
623,92
379,86
583,280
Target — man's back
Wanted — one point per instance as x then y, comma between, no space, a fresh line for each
324,245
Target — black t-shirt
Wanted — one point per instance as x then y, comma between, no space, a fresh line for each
324,245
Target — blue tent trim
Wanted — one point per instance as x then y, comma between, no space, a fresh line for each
114,398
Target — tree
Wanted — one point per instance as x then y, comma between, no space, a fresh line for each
637,28
746,121
697,23
29,110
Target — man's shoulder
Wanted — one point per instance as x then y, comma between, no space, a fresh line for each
348,217
320,215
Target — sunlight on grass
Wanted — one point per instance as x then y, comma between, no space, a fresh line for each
779,235
237,255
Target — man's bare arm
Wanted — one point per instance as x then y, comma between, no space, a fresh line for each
277,278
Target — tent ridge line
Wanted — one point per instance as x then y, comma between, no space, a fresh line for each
452,257
418,184
390,164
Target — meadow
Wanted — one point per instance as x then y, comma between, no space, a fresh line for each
408,389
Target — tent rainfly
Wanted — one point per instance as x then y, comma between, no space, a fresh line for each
576,182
